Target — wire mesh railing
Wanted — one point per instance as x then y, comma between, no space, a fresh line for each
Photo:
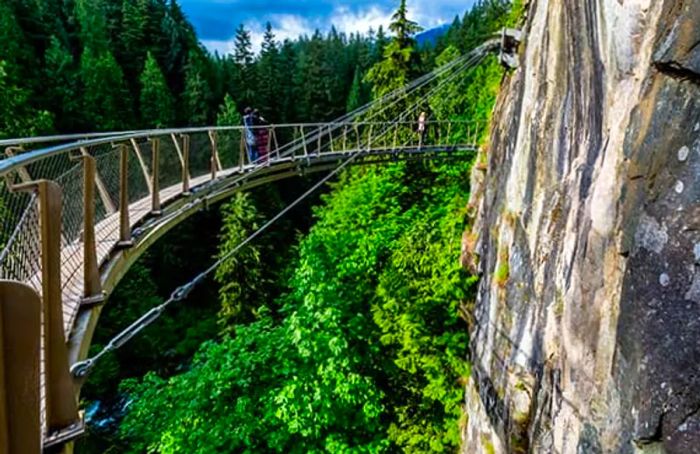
160,166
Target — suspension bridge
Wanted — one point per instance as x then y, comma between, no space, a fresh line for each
77,211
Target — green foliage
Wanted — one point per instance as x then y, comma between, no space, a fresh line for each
369,352
244,74
225,402
17,118
228,113
243,285
355,98
92,18
403,28
157,105
420,292
62,94
197,94
80,43
229,141
401,59
105,95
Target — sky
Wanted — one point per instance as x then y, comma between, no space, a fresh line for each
216,20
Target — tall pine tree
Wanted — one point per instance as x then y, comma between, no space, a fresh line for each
355,96
106,100
245,71
268,77
156,101
62,96
401,60
197,95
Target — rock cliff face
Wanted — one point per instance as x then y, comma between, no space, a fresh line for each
586,329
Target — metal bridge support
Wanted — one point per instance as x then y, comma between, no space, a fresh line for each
124,223
92,286
20,335
101,188
242,149
185,164
215,161
22,171
142,163
155,175
62,419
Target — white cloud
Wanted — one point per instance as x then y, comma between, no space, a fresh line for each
284,26
345,19
348,21
223,47
428,14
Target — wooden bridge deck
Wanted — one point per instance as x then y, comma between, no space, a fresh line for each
107,230
106,239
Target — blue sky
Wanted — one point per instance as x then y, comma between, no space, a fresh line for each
216,20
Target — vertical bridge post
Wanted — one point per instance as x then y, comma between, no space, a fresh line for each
215,161
185,164
92,286
125,240
63,421
20,336
155,176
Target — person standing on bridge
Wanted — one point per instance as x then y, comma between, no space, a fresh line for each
249,134
262,136
421,129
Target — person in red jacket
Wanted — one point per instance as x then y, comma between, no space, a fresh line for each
262,136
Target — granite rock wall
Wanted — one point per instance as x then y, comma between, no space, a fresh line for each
586,328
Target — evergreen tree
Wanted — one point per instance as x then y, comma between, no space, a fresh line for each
17,118
287,65
245,80
400,63
404,29
229,141
156,101
268,77
14,51
132,39
355,96
106,100
92,19
243,47
62,96
175,43
380,44
197,95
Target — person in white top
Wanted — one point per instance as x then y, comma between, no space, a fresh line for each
421,129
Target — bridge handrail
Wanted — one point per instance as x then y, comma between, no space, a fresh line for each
12,163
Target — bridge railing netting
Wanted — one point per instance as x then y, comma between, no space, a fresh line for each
159,162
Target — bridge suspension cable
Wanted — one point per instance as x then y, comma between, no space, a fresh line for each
82,369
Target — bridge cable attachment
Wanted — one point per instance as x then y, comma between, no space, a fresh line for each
82,369
510,40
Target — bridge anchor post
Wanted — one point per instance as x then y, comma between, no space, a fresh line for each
215,161
92,286
63,422
125,240
185,165
20,337
155,176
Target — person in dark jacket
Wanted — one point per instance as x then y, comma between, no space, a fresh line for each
249,135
